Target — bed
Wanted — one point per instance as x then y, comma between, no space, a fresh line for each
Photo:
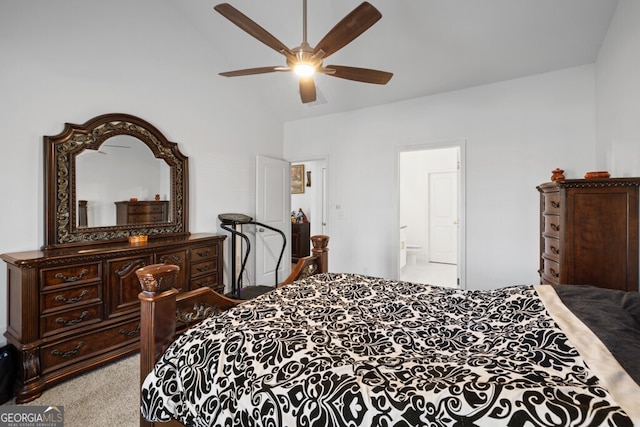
346,350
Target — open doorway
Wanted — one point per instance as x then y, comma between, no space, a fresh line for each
309,197
430,214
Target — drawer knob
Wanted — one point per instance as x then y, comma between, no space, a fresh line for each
68,353
554,273
555,227
61,298
74,321
555,204
554,250
72,278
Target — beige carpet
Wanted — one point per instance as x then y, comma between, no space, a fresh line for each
107,397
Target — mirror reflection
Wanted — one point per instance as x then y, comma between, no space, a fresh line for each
121,183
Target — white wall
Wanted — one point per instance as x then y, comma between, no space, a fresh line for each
68,61
618,93
516,132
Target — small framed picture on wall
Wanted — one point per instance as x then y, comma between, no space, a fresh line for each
297,179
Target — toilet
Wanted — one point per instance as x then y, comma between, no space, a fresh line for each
412,253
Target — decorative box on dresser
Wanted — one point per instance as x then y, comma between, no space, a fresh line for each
74,309
589,232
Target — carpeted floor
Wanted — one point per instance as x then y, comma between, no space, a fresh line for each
109,396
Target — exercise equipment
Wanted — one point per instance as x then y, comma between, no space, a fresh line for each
233,223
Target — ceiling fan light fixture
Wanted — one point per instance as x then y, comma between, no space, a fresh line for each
306,61
304,69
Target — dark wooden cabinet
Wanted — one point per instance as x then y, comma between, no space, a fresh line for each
589,232
142,212
300,240
74,309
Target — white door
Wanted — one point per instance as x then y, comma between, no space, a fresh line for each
273,208
443,217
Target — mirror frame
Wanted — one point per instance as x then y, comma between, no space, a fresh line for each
60,181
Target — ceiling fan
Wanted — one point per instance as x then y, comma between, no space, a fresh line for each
306,60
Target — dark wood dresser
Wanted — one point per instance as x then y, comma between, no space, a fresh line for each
589,232
300,238
142,212
73,309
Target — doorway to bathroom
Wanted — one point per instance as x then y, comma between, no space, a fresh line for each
431,209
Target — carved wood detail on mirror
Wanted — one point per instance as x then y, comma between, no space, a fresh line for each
63,224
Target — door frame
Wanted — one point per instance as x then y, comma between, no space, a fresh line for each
322,180
395,232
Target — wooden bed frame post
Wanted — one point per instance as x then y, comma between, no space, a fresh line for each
320,243
158,306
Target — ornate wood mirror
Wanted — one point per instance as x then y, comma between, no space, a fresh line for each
110,178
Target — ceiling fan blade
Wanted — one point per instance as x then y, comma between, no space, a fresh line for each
253,29
355,23
251,71
365,75
307,90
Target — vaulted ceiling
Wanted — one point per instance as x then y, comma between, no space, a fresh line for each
431,46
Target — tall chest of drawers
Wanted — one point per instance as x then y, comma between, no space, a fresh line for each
589,232
72,310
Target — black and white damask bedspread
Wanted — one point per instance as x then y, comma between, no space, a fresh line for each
349,350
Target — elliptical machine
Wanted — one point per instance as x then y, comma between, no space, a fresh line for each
233,222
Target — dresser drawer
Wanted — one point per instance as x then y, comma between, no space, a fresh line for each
146,217
552,248
204,267
210,281
551,226
143,209
60,321
551,271
59,354
203,252
70,274
68,297
552,203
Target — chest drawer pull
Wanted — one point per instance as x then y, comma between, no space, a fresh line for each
555,227
72,322
68,353
554,273
72,278
554,250
555,204
61,298
130,333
